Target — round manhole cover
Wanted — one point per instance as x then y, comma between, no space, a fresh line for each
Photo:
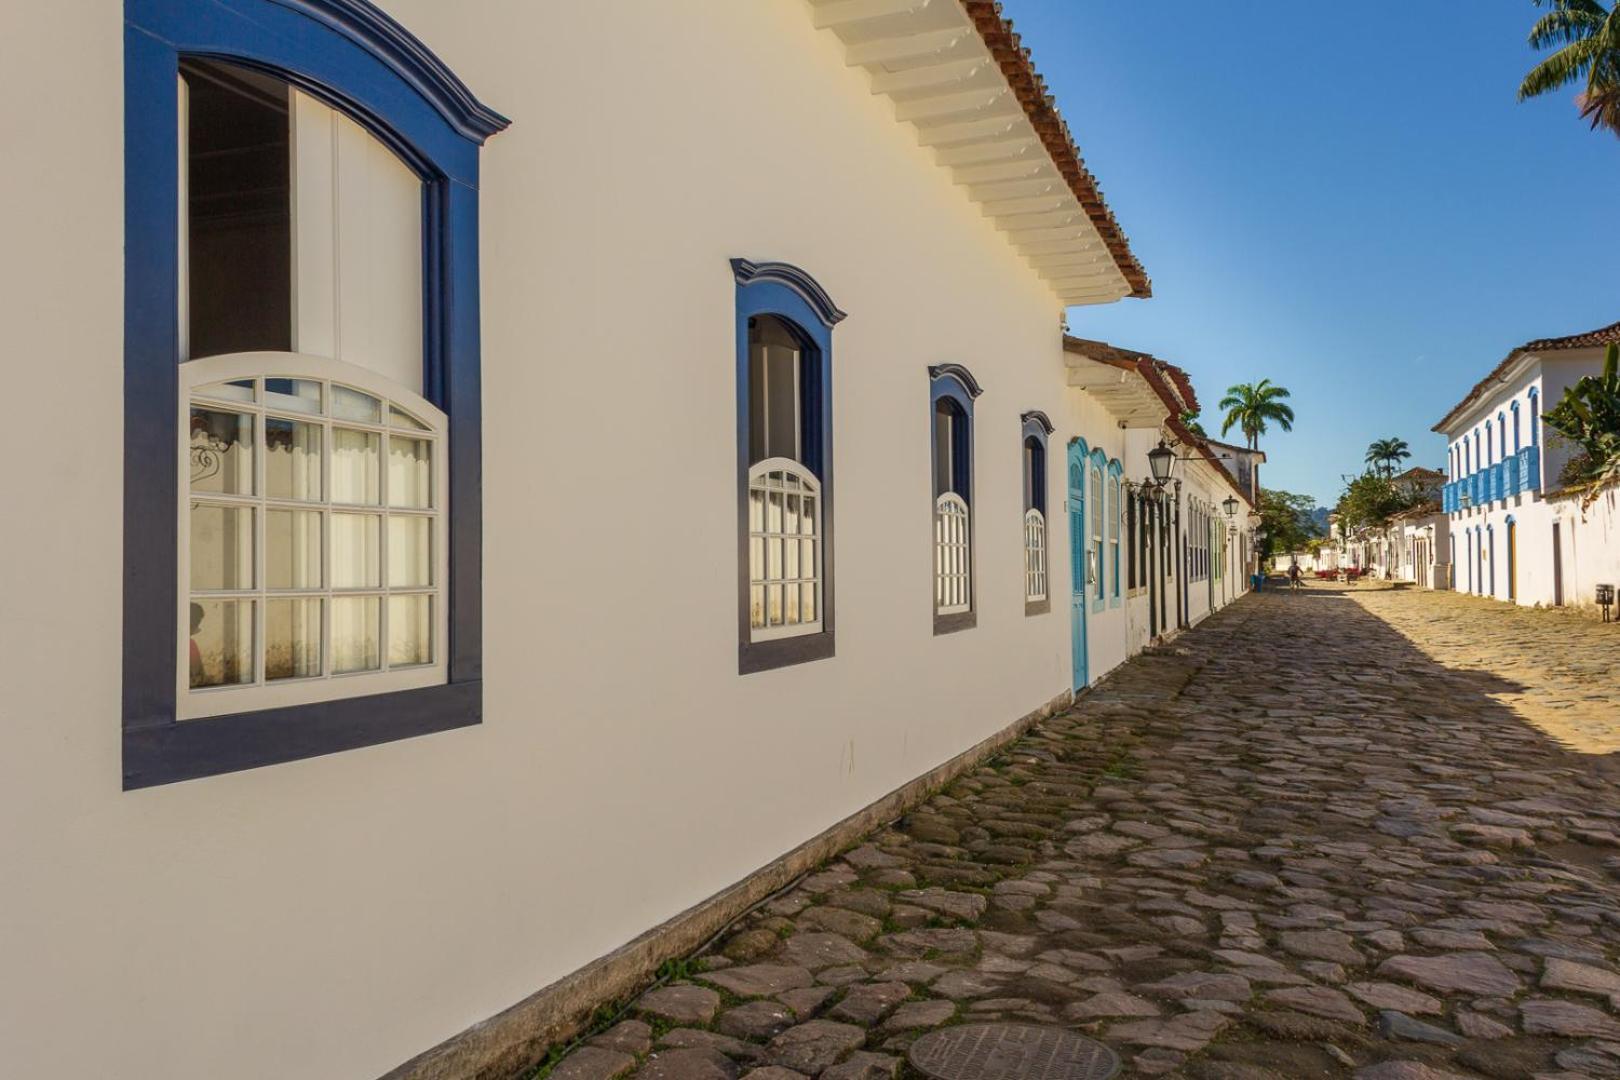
1012,1052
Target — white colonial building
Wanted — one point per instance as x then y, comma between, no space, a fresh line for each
577,466
1515,535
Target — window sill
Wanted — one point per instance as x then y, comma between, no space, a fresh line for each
171,751
1035,607
755,656
950,624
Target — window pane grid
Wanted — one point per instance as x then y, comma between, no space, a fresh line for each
1034,556
952,570
784,550
294,510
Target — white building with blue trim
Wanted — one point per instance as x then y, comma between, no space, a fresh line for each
1514,535
463,554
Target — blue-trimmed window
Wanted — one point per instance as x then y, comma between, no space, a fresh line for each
1116,529
1501,436
1099,529
784,466
1518,437
208,80
1037,580
952,390
1535,416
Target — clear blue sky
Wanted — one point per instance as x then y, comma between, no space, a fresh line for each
1347,200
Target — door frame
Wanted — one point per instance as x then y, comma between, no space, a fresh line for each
1079,588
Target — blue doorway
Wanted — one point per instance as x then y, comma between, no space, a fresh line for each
1078,564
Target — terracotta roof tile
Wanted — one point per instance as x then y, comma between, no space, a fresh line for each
1030,88
1607,335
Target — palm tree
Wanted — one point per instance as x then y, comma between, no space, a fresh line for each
1589,38
1388,453
1252,407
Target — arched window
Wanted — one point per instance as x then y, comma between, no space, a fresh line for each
1488,445
311,315
1479,460
784,496
312,544
1501,436
1035,431
1131,528
1518,442
1099,532
1535,416
1115,528
784,475
953,390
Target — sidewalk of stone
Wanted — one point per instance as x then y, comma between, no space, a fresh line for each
1294,843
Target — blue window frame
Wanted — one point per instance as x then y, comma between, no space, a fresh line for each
357,60
1501,435
1116,513
1037,524
952,391
784,466
1518,441
1535,416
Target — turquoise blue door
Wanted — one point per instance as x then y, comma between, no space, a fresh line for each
1077,560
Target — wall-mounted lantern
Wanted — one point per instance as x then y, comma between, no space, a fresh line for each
1160,460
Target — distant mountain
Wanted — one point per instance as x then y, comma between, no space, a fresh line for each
1319,519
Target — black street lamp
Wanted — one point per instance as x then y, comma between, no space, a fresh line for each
1230,506
1160,460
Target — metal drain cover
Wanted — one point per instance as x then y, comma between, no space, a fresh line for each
1012,1052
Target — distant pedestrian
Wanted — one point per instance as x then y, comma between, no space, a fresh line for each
1293,576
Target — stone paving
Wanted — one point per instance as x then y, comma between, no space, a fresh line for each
1292,843
1558,668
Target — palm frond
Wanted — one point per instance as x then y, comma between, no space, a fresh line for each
1559,70
1565,28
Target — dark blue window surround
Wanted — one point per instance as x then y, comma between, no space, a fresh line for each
955,385
358,60
795,298
1037,427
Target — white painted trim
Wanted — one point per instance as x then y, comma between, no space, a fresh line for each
260,694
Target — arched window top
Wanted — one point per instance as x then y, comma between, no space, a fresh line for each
293,383
1081,447
1038,424
790,277
1099,459
956,380
347,52
1515,405
1115,468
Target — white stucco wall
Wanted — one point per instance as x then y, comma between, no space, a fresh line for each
333,917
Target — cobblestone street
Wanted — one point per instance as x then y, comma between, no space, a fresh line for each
1324,834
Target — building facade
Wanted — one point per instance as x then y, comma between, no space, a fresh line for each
1513,535
530,519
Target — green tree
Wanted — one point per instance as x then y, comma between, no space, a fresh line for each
1371,499
1191,422
1286,519
1386,454
1589,416
1587,38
